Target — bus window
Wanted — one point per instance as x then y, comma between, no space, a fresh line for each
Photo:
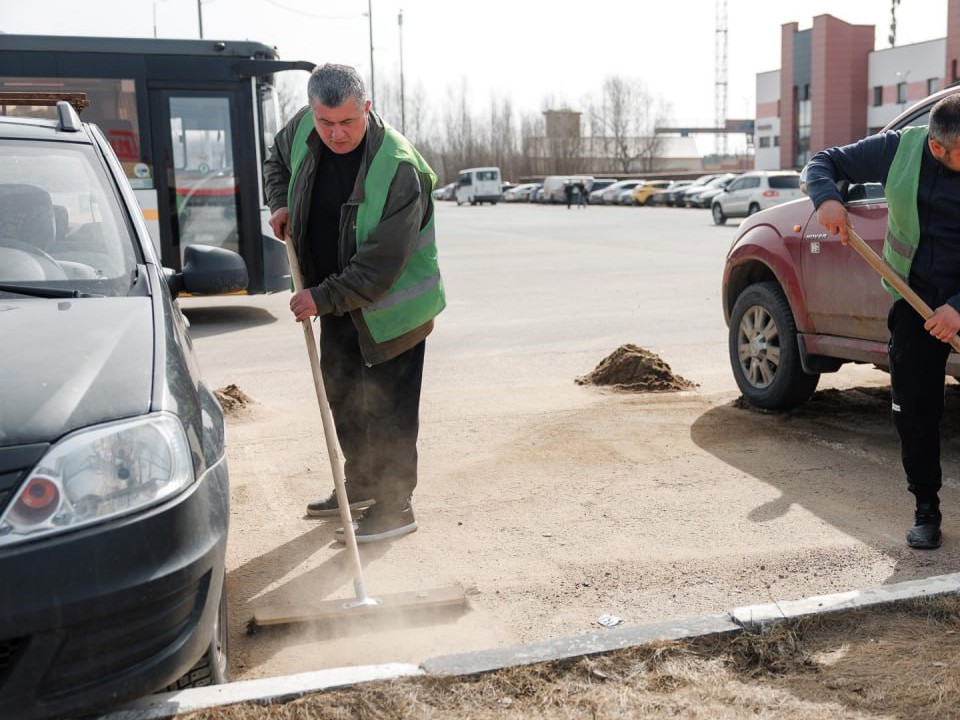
113,107
203,175
269,116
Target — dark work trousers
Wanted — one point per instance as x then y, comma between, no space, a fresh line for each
376,411
917,365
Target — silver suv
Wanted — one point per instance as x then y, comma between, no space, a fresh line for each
755,191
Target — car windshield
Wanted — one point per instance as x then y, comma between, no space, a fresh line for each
60,224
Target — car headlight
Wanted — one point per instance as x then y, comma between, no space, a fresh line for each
97,474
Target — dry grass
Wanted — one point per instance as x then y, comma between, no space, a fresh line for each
898,662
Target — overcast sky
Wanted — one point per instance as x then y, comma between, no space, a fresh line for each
527,51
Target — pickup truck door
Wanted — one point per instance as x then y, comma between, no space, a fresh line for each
843,294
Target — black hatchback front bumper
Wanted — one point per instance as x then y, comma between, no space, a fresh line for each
109,613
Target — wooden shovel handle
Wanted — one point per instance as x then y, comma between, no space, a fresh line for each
890,275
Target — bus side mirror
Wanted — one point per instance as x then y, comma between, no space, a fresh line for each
208,270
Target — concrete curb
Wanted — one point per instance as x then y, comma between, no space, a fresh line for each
747,618
265,690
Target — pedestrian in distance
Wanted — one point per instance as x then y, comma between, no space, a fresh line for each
568,193
355,196
581,194
920,170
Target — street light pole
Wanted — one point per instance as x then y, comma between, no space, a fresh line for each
200,18
373,94
403,116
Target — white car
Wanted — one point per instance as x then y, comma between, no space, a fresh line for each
755,191
520,193
611,194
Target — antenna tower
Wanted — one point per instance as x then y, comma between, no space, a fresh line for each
720,78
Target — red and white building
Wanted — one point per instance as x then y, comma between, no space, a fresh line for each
833,88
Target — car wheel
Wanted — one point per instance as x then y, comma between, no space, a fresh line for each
648,202
754,208
763,350
718,217
214,667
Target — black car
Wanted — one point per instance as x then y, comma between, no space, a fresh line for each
114,497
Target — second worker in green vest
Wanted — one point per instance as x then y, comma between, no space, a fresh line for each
355,196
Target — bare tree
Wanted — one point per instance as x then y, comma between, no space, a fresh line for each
626,116
291,93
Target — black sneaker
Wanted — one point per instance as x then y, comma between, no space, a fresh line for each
330,506
381,523
925,533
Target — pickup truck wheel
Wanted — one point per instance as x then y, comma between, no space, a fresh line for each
718,217
763,350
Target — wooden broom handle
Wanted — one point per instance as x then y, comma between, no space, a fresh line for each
898,283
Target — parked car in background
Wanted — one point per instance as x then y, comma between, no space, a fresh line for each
536,194
625,196
519,193
611,195
595,196
114,493
798,303
755,191
643,193
680,199
479,185
702,196
668,196
447,192
554,186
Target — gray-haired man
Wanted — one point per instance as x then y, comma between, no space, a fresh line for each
355,196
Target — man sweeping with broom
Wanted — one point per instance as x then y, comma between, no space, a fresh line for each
355,197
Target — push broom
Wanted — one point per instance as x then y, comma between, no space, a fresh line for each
362,605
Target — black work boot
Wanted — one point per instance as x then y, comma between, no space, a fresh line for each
330,506
382,522
925,533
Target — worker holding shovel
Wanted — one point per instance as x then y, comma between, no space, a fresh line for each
355,198
920,170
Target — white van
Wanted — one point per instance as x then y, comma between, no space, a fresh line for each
553,186
479,185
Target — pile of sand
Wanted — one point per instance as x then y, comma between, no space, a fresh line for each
634,369
232,399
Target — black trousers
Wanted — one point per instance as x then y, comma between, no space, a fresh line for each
917,365
376,410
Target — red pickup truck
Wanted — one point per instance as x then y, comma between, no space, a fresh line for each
798,303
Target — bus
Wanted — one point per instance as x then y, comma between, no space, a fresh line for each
479,185
191,122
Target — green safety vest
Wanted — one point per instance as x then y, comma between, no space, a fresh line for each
418,295
903,218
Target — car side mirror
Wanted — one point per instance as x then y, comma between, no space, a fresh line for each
208,270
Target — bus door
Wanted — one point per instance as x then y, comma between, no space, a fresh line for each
198,195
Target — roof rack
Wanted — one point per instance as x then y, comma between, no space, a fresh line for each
68,104
78,100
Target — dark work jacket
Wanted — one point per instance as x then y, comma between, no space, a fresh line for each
368,272
935,272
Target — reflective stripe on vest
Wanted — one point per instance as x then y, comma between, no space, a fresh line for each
903,219
418,294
